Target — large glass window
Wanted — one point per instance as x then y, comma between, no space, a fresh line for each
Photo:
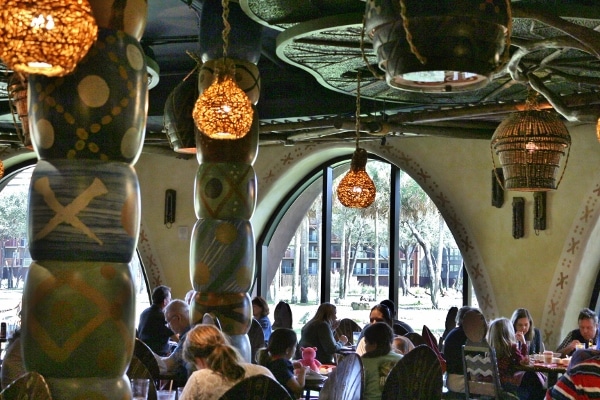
355,264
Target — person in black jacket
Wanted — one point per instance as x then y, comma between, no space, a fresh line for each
152,328
585,336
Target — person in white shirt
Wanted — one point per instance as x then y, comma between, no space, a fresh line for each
219,365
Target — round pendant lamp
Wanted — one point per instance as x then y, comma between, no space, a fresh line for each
45,37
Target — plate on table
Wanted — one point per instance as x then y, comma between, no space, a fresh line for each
315,376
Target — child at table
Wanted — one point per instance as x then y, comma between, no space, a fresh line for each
525,384
277,358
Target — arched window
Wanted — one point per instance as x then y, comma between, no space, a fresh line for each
315,250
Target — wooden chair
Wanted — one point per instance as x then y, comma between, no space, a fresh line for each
257,387
481,372
282,316
416,338
257,339
417,376
211,319
345,327
30,385
144,354
346,381
137,369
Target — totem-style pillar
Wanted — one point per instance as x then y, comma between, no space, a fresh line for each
222,250
87,129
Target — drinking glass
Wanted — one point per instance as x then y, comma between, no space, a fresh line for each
165,394
179,391
355,336
139,388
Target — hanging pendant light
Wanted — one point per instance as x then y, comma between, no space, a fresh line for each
46,37
224,111
530,146
356,189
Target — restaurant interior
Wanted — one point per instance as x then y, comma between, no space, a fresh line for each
492,107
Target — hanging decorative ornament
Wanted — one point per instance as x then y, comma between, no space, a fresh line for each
530,145
45,37
356,189
224,111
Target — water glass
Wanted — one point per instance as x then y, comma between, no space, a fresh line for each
139,388
179,391
165,394
355,336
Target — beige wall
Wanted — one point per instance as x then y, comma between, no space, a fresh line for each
551,274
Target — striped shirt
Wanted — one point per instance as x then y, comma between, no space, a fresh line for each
581,381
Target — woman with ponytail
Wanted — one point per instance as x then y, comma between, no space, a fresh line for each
277,358
219,365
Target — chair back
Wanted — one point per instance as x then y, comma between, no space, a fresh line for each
481,371
137,370
345,327
257,339
211,319
399,329
416,338
145,356
30,385
417,376
432,342
346,381
282,316
257,387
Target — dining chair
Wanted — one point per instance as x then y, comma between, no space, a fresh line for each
29,386
345,327
211,319
257,339
346,381
257,387
138,370
432,342
417,376
481,372
416,338
146,356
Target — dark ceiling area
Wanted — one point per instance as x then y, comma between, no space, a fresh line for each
312,53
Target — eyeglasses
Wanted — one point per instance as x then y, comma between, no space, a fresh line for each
373,320
171,318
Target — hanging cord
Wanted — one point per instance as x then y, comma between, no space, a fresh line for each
357,118
409,37
362,51
226,27
506,54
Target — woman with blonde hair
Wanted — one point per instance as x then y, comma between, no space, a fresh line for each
219,365
318,332
526,385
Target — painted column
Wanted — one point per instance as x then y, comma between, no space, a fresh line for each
222,250
87,129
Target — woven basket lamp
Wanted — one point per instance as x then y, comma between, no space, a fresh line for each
356,189
224,111
530,146
46,37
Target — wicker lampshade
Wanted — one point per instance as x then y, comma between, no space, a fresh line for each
45,37
530,146
356,189
224,111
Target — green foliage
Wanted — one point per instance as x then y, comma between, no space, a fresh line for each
13,215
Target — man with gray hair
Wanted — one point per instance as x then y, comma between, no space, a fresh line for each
174,367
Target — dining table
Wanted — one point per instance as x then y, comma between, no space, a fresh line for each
551,370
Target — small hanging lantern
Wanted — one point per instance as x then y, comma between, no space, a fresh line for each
356,189
46,37
224,111
530,145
